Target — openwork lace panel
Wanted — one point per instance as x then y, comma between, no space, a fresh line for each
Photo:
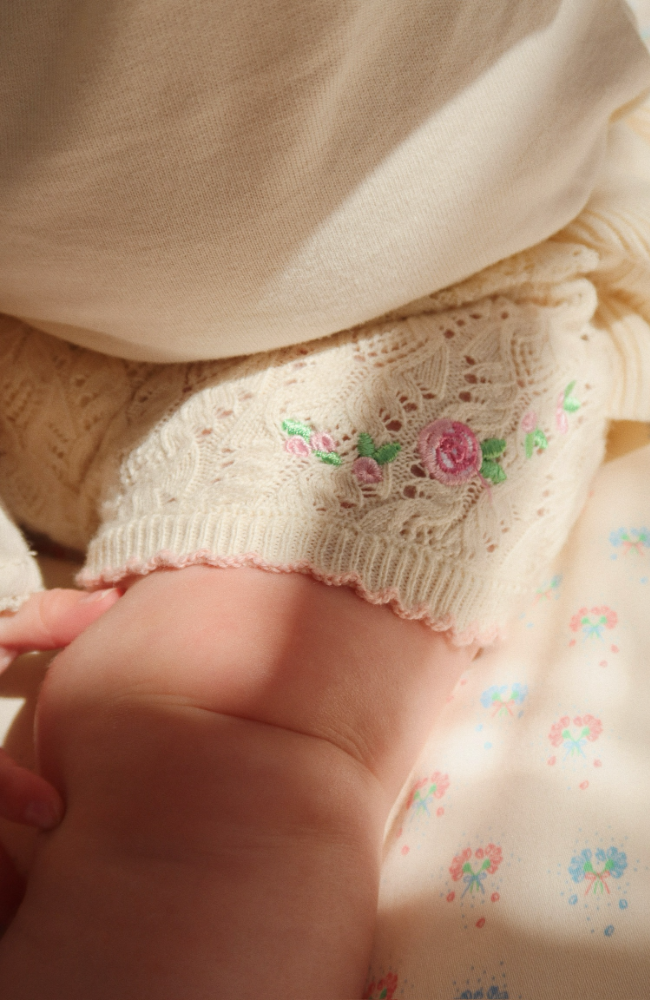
433,460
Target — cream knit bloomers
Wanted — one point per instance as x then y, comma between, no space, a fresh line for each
433,460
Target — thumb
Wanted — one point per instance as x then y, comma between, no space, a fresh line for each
51,619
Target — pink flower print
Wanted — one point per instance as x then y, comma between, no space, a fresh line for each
556,735
529,422
450,451
462,867
593,621
322,441
572,736
425,790
591,723
577,620
384,989
367,470
608,617
296,445
495,855
456,867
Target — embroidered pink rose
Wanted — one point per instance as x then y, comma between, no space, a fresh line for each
304,440
535,436
296,445
367,470
368,467
322,441
450,451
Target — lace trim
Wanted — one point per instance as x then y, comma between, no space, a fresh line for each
474,633
394,457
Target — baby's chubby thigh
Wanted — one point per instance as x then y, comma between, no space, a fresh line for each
228,744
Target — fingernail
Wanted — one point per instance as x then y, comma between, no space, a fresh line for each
7,656
42,814
98,595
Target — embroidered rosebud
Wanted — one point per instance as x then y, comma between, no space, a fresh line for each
566,403
297,445
322,441
450,451
529,422
367,470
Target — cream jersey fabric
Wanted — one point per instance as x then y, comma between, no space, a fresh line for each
186,180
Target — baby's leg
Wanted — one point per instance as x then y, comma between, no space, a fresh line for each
228,743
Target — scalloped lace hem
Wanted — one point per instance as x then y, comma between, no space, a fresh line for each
475,633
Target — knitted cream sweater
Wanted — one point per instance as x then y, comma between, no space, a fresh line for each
434,459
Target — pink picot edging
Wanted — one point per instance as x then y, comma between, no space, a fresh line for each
168,560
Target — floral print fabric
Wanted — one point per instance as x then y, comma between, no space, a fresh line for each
517,860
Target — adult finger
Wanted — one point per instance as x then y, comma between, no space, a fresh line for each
12,889
51,619
27,798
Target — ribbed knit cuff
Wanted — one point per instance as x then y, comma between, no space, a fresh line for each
425,588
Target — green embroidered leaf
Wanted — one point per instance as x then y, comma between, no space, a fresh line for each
530,444
493,447
365,446
492,471
541,440
571,404
296,427
329,457
387,453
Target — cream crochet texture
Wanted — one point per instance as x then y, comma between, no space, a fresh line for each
167,465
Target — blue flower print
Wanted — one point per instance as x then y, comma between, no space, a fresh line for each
633,540
615,861
577,866
612,865
500,701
